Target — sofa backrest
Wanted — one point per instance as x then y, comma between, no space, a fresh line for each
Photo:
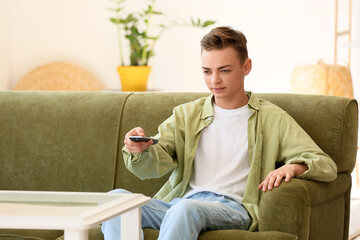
332,122
59,141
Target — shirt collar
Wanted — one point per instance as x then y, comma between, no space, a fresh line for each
208,112
208,109
253,101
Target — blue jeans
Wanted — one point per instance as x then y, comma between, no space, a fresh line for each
185,218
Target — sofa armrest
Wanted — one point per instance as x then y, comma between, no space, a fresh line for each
297,206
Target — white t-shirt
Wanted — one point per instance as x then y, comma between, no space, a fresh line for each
221,161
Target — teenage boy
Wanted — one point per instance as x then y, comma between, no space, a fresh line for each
222,151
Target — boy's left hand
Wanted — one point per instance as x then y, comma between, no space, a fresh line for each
274,178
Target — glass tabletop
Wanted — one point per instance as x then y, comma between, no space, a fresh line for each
52,203
56,198
73,212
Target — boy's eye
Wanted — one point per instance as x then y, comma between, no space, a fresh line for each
225,70
206,71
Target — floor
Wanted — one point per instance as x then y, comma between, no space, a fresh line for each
354,230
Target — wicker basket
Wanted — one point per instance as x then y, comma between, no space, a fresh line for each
59,76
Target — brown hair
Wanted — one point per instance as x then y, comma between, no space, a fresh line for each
222,37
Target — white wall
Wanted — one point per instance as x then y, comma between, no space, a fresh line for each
355,50
5,44
54,30
280,33
355,71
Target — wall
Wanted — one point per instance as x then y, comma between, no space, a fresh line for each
5,44
355,72
77,31
280,34
355,50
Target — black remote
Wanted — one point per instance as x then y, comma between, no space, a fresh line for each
142,139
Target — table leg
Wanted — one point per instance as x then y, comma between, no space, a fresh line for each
131,225
357,175
75,234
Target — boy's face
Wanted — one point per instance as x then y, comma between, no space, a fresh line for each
224,75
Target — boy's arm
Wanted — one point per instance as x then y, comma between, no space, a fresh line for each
302,157
152,161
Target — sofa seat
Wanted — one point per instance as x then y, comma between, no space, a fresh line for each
151,234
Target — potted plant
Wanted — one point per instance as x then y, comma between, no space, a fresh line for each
134,27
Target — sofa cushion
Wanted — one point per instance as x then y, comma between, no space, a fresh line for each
30,234
94,234
151,234
17,237
59,141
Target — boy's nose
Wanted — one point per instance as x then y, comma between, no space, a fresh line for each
215,78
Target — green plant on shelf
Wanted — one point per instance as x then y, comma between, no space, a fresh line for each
135,26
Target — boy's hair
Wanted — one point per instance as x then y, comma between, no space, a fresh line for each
222,37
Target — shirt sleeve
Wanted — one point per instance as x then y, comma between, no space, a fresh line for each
298,147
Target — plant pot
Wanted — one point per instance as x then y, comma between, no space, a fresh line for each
133,78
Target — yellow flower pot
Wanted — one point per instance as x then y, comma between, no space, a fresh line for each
133,78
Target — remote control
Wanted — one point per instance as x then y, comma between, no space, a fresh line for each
143,139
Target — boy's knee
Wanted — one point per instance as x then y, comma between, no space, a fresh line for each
186,207
119,191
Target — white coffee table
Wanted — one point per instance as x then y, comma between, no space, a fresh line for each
73,212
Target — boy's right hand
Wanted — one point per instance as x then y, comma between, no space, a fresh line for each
136,147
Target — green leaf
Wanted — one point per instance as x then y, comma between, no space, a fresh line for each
148,10
115,9
199,23
117,1
116,20
208,23
152,38
157,12
130,18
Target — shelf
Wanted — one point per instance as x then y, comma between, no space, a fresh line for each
350,44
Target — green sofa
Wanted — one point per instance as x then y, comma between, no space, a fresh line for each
72,141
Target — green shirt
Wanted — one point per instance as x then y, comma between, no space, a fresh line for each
273,137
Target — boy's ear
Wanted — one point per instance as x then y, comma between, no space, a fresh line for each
247,66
